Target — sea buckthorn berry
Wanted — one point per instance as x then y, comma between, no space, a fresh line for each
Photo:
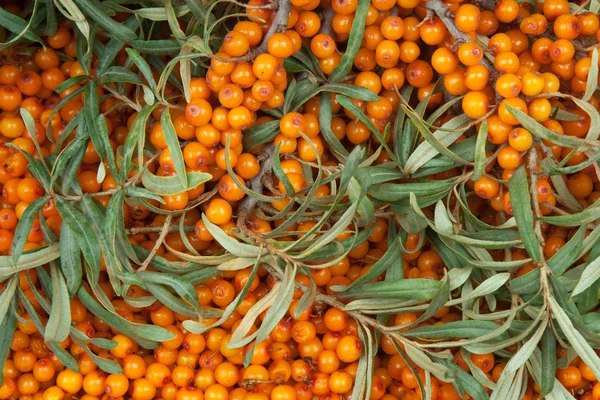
280,45
505,115
567,26
532,83
392,28
499,43
387,53
589,23
444,61
467,18
322,45
540,109
569,377
580,185
470,53
231,96
475,104
235,44
433,31
562,51
507,10
218,211
486,188
509,158
419,73
292,124
508,85
69,381
349,348
198,112
520,139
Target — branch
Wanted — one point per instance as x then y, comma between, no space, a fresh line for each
257,186
447,17
154,229
159,241
327,19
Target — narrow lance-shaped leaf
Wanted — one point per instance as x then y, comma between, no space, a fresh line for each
59,321
70,259
7,327
521,205
548,362
24,227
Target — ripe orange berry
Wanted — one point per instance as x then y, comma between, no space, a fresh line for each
509,158
475,104
444,61
470,53
486,188
467,18
280,45
520,139
218,211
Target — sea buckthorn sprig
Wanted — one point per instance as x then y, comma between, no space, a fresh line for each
303,199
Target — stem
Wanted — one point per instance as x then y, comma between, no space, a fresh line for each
447,17
326,21
154,229
161,238
257,186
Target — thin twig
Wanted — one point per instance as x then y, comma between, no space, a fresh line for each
257,186
326,21
159,241
155,229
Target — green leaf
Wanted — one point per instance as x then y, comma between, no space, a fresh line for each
168,185
96,127
590,275
84,235
118,74
325,118
354,42
519,196
24,226
174,148
105,364
438,146
157,47
391,257
177,283
480,158
59,321
64,356
577,341
592,78
548,362
526,350
230,244
456,329
7,327
400,191
17,26
443,137
352,91
416,289
70,259
94,10
148,336
589,215
6,297
29,260
260,134
143,67
542,132
567,255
